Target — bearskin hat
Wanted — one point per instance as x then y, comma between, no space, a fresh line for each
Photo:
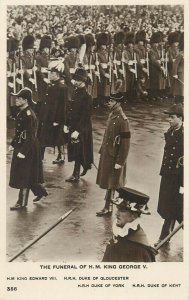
119,38
129,38
181,42
72,42
90,41
45,42
103,38
28,42
173,37
156,38
12,44
140,36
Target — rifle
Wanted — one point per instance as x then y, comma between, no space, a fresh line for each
110,67
147,64
89,70
97,66
115,64
122,63
14,73
135,64
21,79
34,71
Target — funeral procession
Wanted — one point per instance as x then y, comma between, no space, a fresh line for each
95,133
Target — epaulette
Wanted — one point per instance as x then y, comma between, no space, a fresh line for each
28,112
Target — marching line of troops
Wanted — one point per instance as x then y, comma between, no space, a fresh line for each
52,100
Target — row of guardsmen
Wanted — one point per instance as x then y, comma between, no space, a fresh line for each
145,68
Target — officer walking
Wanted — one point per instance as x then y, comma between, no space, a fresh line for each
26,167
170,204
79,126
113,153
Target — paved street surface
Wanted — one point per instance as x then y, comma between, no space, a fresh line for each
83,236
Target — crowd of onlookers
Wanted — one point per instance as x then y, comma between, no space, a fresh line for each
60,21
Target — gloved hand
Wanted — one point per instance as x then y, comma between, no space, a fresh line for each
66,130
75,134
20,155
11,148
117,166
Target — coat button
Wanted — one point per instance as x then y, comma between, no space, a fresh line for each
169,167
171,154
174,148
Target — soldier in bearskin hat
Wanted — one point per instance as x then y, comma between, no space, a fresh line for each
131,68
119,71
129,242
79,127
142,64
28,65
12,65
104,59
172,52
71,62
89,61
178,72
26,167
156,68
42,61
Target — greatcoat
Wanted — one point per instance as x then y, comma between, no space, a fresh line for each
26,172
114,149
178,69
170,205
79,119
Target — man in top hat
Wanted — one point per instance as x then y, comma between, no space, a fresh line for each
79,127
113,152
170,204
26,167
129,242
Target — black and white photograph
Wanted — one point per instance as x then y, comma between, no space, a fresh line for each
94,114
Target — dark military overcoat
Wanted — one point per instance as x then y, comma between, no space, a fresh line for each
170,205
178,69
54,111
114,149
157,78
26,171
79,119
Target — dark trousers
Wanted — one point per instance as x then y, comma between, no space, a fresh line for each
108,197
23,195
77,167
167,228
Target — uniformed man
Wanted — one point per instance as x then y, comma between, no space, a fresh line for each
129,242
172,52
105,67
170,204
54,114
142,64
26,167
71,62
178,73
113,152
79,127
156,67
131,67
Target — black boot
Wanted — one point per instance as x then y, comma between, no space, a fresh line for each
59,159
19,204
76,173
